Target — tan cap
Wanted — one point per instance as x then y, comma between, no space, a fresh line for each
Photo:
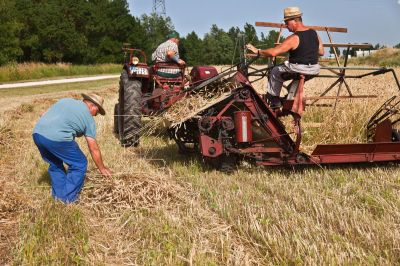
96,99
292,12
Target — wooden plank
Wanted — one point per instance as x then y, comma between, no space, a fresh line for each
254,55
319,28
326,60
351,45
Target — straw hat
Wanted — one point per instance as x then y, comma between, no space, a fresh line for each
96,99
291,13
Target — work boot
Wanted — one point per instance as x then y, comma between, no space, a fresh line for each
273,101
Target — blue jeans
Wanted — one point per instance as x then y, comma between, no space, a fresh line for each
66,185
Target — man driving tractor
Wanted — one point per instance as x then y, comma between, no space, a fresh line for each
304,47
168,52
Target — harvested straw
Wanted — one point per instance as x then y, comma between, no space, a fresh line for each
189,106
6,135
200,99
128,191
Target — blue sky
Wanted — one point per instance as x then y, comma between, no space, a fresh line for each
372,21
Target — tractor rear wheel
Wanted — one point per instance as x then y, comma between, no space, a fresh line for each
130,110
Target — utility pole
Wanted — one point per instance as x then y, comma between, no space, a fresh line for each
159,7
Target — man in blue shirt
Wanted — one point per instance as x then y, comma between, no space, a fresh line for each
54,135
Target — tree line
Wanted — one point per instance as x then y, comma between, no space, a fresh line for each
94,31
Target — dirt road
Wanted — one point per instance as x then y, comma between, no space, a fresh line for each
56,81
9,101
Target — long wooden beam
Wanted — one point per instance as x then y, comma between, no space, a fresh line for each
319,28
351,45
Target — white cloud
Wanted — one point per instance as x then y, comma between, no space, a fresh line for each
398,1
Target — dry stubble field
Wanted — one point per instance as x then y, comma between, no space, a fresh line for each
164,208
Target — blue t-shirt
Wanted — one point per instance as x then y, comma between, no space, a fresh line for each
65,120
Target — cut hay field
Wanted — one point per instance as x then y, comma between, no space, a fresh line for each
163,208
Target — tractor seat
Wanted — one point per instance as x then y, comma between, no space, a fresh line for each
159,76
160,72
168,75
296,76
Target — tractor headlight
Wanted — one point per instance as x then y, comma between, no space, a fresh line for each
135,60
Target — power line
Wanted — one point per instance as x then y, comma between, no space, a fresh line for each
159,7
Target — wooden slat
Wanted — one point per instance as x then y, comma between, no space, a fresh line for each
351,45
326,60
354,45
319,28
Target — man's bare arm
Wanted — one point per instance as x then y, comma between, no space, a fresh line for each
288,44
320,46
96,156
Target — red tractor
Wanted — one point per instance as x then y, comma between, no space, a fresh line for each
143,90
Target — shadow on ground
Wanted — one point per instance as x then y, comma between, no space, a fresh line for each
44,179
171,155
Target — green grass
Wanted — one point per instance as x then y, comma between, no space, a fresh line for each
35,71
53,234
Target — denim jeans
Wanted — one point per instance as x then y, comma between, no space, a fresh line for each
66,184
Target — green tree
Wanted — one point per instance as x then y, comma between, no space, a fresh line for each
234,33
156,29
52,30
331,51
78,31
352,51
250,34
9,30
192,49
109,25
271,39
218,47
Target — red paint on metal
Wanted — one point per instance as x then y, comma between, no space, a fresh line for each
363,152
210,147
200,73
298,105
383,131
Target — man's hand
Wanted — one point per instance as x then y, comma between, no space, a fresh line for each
181,62
106,172
96,155
251,47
